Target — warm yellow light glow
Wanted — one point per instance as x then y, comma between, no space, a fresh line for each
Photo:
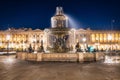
109,37
34,40
97,38
8,37
9,60
108,60
0,43
84,39
35,52
93,37
111,60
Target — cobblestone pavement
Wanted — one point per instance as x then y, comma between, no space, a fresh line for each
25,70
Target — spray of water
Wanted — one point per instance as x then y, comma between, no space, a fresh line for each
73,23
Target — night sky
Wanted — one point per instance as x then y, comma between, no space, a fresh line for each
96,14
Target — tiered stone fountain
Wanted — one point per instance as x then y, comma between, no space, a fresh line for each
59,43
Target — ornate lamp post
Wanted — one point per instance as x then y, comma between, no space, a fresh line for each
108,59
109,39
8,38
84,42
34,41
9,59
97,44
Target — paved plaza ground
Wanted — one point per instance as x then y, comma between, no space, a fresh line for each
26,70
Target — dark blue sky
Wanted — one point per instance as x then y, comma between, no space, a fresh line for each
96,14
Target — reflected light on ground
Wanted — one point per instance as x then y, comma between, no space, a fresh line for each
110,60
9,60
35,52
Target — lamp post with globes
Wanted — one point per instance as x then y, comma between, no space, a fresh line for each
8,38
34,41
84,43
109,39
9,59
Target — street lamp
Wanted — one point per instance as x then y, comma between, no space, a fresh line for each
109,39
108,58
97,44
8,38
34,41
84,40
9,59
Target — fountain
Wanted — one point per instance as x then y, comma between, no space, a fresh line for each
59,35
59,43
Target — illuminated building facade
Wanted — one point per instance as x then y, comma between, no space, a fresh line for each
20,39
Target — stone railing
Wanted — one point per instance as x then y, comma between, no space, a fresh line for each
72,57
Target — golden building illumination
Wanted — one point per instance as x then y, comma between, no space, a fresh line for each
59,37
20,39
